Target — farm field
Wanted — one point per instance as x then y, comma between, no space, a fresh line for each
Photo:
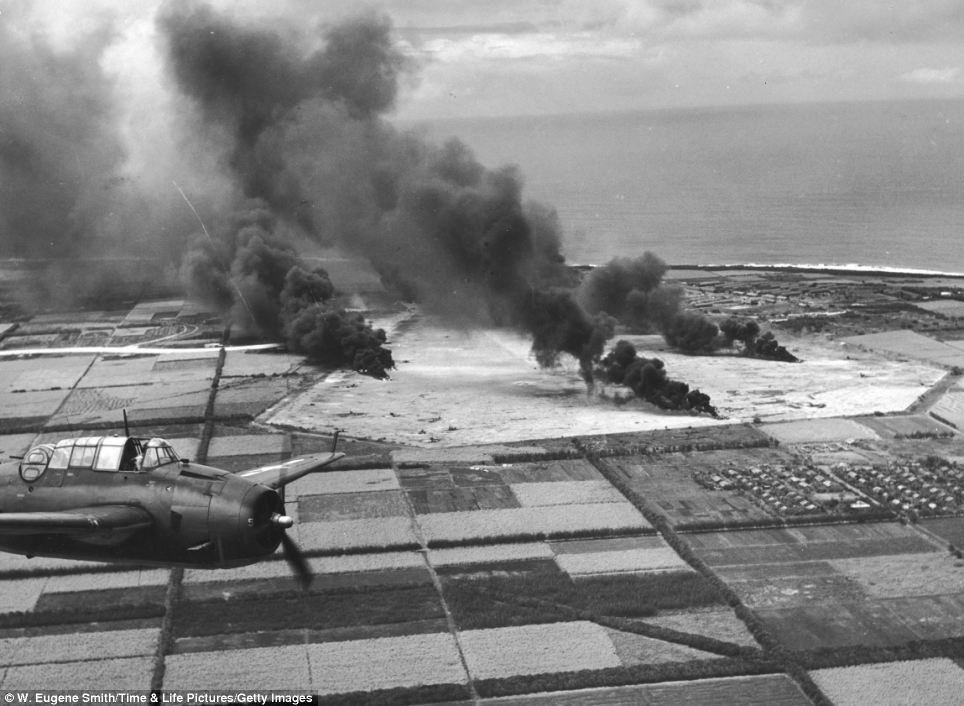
909,344
817,430
950,409
904,426
493,562
937,682
877,584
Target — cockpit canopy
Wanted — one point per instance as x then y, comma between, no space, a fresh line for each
100,453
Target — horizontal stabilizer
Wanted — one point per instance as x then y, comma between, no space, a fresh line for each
78,521
280,474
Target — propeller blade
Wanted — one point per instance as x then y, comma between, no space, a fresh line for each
296,560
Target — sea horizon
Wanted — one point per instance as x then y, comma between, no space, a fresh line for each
844,185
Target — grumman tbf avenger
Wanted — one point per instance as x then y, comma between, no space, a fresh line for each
132,499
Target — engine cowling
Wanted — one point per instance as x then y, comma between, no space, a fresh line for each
246,520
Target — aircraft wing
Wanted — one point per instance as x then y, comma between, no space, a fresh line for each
278,475
84,520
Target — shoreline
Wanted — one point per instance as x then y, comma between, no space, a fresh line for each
817,268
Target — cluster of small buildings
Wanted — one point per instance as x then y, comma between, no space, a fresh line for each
907,488
912,488
788,490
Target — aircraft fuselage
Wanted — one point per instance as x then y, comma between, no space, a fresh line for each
199,515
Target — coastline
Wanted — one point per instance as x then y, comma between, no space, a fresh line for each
818,268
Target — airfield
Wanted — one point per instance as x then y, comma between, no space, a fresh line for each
499,535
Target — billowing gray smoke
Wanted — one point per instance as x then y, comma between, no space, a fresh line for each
64,195
309,145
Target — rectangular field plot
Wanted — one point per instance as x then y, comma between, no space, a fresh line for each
278,667
363,480
950,408
106,580
609,544
383,663
549,471
144,403
69,647
21,595
425,478
537,649
816,543
133,673
619,554
528,592
789,591
30,406
348,563
352,506
944,307
566,493
950,529
337,602
47,373
899,575
835,625
767,690
459,499
818,430
909,344
345,535
249,445
514,551
253,363
15,444
556,520
728,436
249,396
935,682
929,617
904,426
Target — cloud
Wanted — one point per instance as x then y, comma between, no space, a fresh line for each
500,47
930,76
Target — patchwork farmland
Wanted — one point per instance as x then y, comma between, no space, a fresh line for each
593,568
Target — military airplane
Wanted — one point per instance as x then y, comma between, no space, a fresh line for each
133,499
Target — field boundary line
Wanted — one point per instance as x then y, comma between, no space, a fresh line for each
437,584
175,583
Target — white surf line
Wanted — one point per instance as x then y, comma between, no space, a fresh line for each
134,350
852,267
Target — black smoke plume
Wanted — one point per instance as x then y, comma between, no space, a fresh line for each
632,291
747,332
648,380
303,119
250,271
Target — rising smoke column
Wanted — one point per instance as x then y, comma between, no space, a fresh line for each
307,139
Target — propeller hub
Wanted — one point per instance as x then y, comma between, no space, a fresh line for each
283,521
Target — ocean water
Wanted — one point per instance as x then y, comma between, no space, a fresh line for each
878,184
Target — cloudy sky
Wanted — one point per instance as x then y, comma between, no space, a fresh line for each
507,57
